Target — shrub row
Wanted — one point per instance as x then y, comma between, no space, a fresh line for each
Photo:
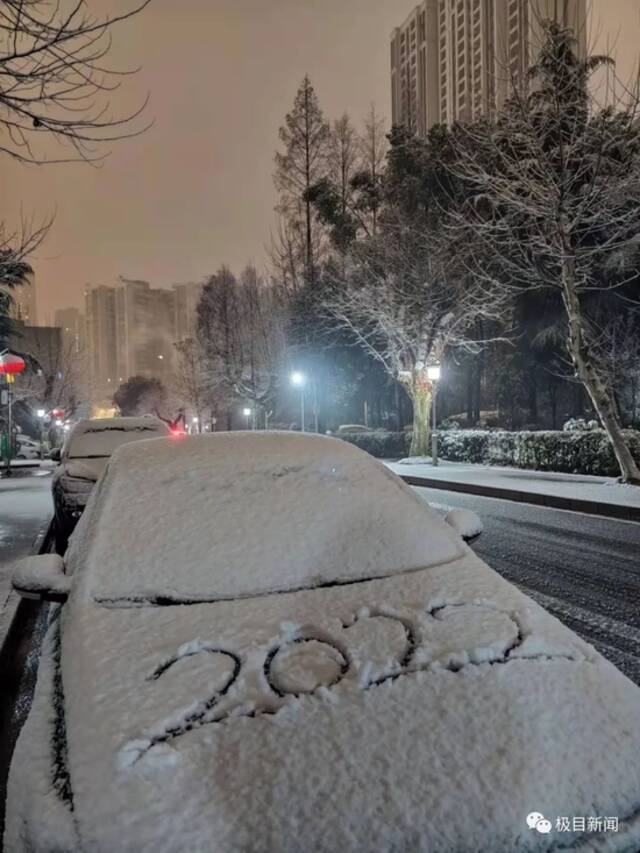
568,452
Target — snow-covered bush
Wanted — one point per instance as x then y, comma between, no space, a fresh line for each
449,423
579,425
583,451
380,443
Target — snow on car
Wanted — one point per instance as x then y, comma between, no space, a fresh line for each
84,457
270,643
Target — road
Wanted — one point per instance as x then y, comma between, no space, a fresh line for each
585,570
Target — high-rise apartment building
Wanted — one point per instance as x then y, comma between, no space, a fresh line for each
132,328
459,59
187,297
23,302
71,322
100,311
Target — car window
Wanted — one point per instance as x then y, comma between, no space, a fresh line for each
234,515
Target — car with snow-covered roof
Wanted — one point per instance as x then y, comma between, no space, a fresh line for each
269,642
84,457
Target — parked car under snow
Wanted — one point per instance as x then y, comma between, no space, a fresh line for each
270,643
84,457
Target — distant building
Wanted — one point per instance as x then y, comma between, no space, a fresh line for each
100,312
131,330
145,329
187,297
459,59
23,302
72,323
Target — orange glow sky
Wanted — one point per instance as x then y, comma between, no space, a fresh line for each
196,190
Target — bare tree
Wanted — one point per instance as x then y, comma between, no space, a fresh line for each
406,301
241,330
554,184
191,383
55,80
373,149
54,376
15,247
287,252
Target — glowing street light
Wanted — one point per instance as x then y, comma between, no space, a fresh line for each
299,379
247,412
433,372
41,413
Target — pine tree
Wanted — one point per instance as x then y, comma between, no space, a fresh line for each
305,136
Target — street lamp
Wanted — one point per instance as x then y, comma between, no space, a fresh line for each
298,379
195,420
247,413
433,372
41,413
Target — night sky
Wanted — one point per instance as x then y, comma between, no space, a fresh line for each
196,190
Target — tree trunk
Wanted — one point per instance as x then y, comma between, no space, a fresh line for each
421,399
590,377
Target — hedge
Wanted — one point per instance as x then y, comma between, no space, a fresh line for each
381,444
568,452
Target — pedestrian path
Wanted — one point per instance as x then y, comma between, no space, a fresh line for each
576,492
25,510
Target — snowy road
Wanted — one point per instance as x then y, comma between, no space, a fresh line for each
25,507
583,569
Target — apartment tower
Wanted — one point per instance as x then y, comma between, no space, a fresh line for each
459,59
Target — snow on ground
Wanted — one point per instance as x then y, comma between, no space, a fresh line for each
432,709
572,486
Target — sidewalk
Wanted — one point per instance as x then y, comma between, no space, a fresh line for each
575,492
25,511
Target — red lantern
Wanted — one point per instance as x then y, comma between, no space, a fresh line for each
57,413
11,364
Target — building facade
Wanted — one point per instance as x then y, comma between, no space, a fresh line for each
71,322
132,329
23,302
459,59
187,297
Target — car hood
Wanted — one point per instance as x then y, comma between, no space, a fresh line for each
393,714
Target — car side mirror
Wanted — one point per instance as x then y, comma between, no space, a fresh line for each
55,454
42,577
465,522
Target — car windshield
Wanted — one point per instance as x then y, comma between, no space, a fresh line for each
98,439
231,515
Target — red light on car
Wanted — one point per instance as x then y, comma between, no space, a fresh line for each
177,433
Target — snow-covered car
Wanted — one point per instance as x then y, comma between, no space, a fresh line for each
271,643
84,457
27,448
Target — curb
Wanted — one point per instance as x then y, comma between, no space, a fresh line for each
622,513
11,616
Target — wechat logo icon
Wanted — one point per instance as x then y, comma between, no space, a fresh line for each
535,820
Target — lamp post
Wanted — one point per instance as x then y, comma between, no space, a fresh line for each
247,412
433,372
10,365
298,379
41,413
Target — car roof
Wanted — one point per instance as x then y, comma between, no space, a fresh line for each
228,515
